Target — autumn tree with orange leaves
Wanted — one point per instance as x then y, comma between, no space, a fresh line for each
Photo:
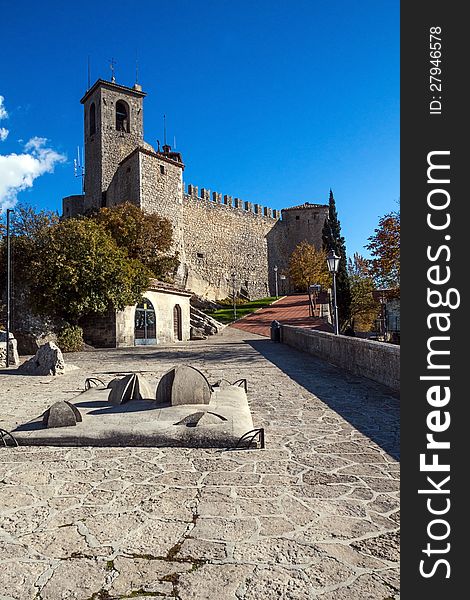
384,247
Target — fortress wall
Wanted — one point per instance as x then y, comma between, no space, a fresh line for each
221,239
72,206
303,224
162,193
125,186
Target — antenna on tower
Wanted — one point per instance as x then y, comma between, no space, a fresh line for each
164,130
79,167
112,63
89,77
136,71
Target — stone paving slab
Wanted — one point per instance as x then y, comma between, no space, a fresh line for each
314,515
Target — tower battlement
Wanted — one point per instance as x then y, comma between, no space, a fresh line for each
229,201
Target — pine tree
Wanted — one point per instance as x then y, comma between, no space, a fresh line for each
333,240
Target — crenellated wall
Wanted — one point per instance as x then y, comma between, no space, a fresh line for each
219,240
224,235
230,201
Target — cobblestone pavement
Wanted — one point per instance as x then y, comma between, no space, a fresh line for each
290,310
314,515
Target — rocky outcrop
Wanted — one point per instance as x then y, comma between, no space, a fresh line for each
12,350
30,342
48,360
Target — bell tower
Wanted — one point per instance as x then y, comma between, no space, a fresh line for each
113,128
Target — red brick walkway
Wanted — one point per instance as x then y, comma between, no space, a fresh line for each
291,310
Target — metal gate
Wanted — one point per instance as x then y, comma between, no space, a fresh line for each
145,330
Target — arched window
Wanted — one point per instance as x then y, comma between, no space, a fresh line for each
122,116
92,119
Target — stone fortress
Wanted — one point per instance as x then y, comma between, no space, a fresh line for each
215,236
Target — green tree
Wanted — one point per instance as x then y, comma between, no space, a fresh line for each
364,309
333,240
146,237
25,225
27,222
79,269
307,266
384,247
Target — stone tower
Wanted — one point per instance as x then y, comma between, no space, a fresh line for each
223,243
113,128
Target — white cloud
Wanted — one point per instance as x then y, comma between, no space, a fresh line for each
3,115
18,171
3,110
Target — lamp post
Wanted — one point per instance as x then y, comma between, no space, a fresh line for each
383,314
9,211
234,297
333,261
275,278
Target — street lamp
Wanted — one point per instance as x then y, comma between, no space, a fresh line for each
383,313
9,211
333,262
275,276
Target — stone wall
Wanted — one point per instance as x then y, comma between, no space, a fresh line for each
72,206
100,330
374,360
107,147
299,224
125,185
303,223
219,240
162,193
224,235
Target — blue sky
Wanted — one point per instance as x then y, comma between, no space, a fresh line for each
274,102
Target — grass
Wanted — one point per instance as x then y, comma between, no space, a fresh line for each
225,315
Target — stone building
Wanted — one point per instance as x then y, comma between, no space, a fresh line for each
162,317
222,241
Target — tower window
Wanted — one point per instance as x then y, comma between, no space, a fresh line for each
92,119
297,217
122,116
162,169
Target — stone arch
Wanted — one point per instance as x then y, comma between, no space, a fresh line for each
122,116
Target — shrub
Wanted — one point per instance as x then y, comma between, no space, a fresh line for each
229,301
70,338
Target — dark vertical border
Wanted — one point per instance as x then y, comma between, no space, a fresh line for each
421,133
